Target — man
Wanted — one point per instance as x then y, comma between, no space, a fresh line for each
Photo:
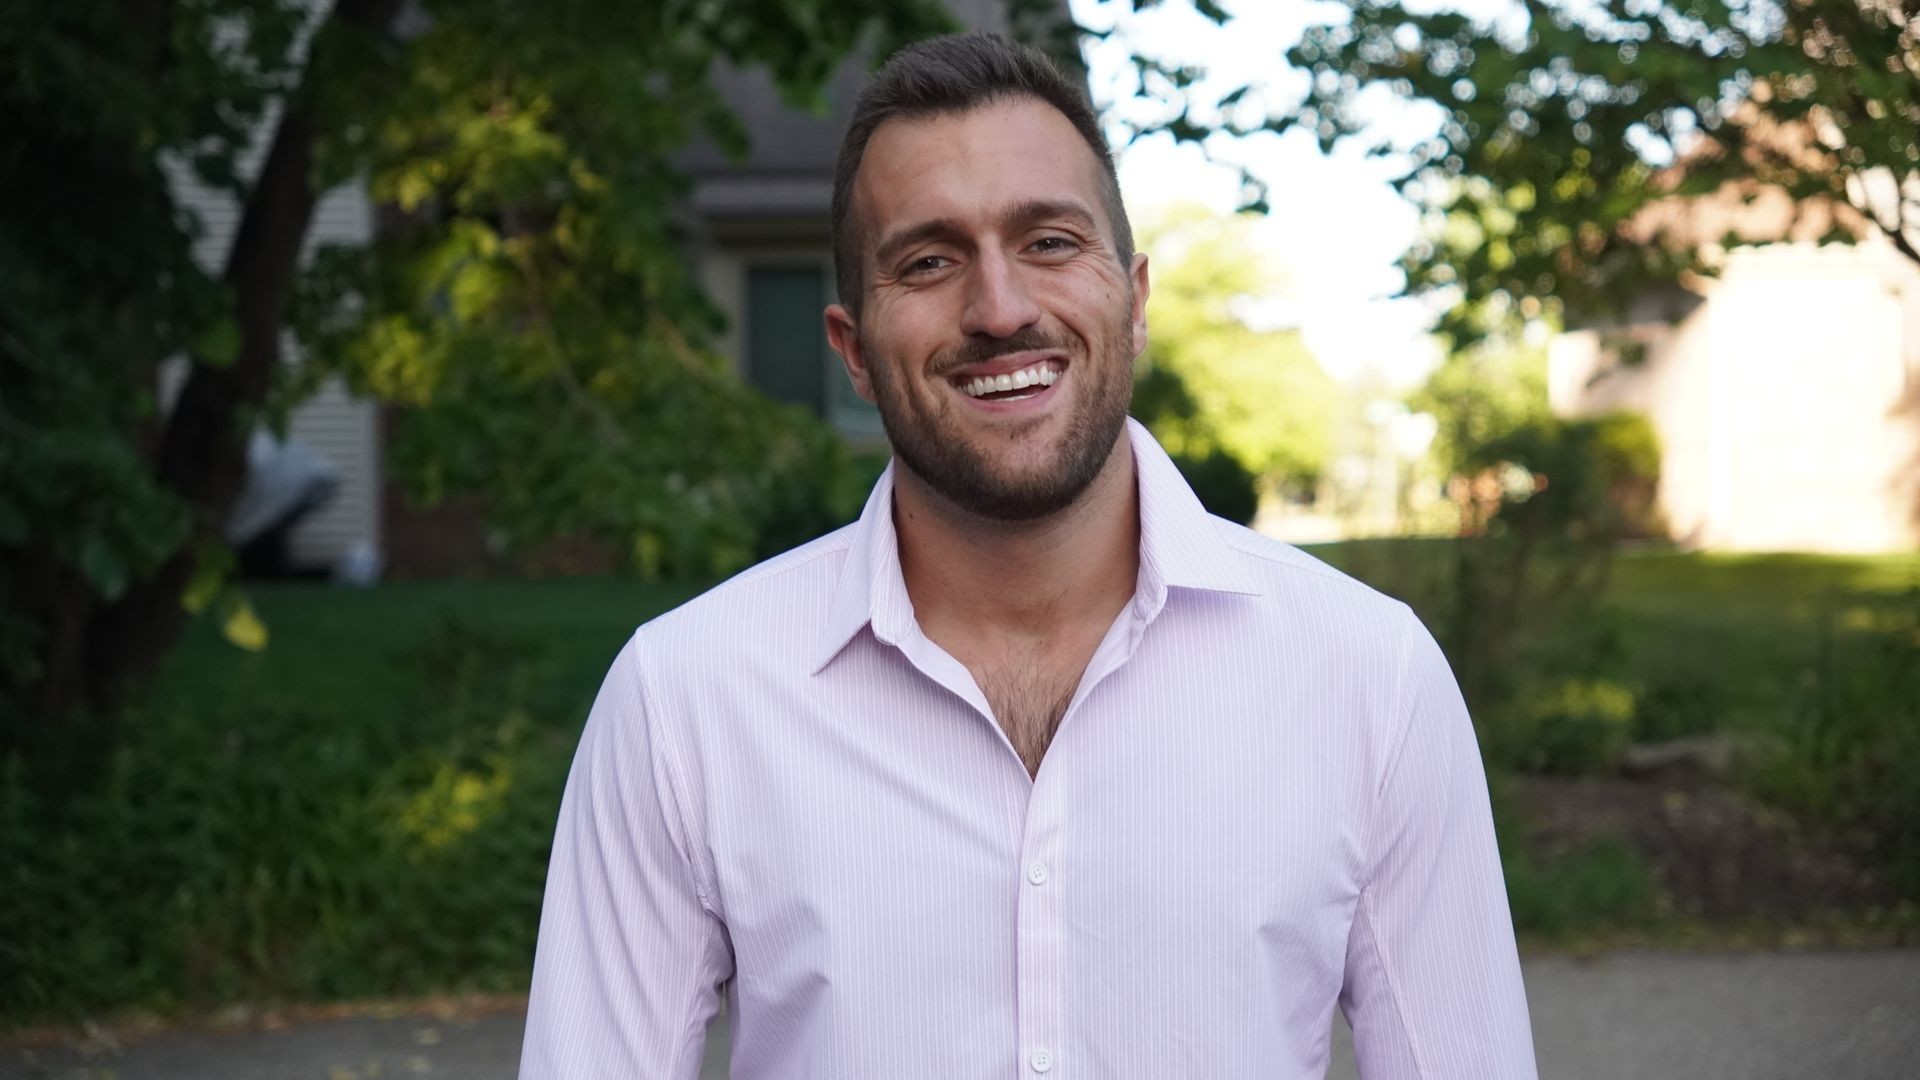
1036,769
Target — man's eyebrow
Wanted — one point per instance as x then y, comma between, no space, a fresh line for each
1022,215
902,239
1035,211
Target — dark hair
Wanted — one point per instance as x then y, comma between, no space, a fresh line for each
958,73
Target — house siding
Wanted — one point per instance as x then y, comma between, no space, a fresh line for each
1788,402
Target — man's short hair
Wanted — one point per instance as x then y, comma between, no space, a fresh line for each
953,74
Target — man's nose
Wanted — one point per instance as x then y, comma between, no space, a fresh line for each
998,303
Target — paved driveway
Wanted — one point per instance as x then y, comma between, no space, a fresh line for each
1631,1016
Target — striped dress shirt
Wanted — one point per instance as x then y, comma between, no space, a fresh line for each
1264,798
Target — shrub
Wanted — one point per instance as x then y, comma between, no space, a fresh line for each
235,853
1604,886
1577,726
1225,487
1852,755
1601,887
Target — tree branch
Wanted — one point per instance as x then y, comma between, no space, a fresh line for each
202,452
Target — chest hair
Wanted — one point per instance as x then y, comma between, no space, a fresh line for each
1028,696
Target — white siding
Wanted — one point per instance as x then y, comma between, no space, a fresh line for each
1788,404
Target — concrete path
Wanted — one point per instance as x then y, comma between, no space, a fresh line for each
1631,1016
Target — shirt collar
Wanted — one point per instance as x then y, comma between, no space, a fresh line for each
1180,547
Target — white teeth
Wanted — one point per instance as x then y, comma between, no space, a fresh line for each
1042,374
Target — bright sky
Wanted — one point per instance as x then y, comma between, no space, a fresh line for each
1336,227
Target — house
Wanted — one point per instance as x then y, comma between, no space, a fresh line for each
757,230
1786,390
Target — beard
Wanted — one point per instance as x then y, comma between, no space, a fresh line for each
931,445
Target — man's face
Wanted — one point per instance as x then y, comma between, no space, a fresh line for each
998,329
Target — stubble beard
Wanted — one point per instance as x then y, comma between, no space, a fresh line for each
968,477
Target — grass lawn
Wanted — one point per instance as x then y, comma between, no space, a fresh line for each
356,652
364,808
1723,641
1754,622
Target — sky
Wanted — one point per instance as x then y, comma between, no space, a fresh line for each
1336,226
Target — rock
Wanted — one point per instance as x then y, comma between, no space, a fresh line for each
1713,754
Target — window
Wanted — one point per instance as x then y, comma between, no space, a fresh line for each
786,346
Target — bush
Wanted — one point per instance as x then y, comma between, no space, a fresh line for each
1225,487
1574,726
1852,757
235,854
1602,887
820,489
1606,885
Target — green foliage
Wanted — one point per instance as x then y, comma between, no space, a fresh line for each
1209,382
1607,886
1223,485
533,307
309,853
530,306
1557,123
274,829
1577,726
1852,755
1813,659
1542,502
1479,394
1603,886
1591,479
96,287
1557,120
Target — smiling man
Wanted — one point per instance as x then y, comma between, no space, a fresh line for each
1036,769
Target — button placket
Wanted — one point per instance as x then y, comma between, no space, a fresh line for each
1040,929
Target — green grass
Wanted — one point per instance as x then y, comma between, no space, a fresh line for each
1817,656
1721,641
364,808
352,653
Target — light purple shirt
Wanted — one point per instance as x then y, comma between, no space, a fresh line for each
1264,797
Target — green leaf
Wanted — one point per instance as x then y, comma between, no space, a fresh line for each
210,575
218,344
103,567
240,625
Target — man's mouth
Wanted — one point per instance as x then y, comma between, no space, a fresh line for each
1014,385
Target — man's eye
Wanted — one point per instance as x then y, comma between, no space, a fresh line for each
926,264
1053,245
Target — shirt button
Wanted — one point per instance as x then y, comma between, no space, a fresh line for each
1041,1061
1037,873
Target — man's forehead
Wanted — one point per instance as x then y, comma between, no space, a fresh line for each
975,164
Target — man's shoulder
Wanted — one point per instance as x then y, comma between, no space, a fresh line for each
1289,577
785,596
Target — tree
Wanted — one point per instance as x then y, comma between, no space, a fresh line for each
531,303
1480,395
1560,123
1211,383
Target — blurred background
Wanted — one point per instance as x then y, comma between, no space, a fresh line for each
370,369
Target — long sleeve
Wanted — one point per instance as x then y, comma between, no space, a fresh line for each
1433,987
630,952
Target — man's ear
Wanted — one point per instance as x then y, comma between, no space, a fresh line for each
843,334
1140,289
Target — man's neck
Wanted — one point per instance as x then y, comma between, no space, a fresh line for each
978,576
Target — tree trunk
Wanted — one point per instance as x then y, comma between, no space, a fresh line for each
202,450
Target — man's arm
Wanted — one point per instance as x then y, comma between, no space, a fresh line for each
1433,979
630,952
